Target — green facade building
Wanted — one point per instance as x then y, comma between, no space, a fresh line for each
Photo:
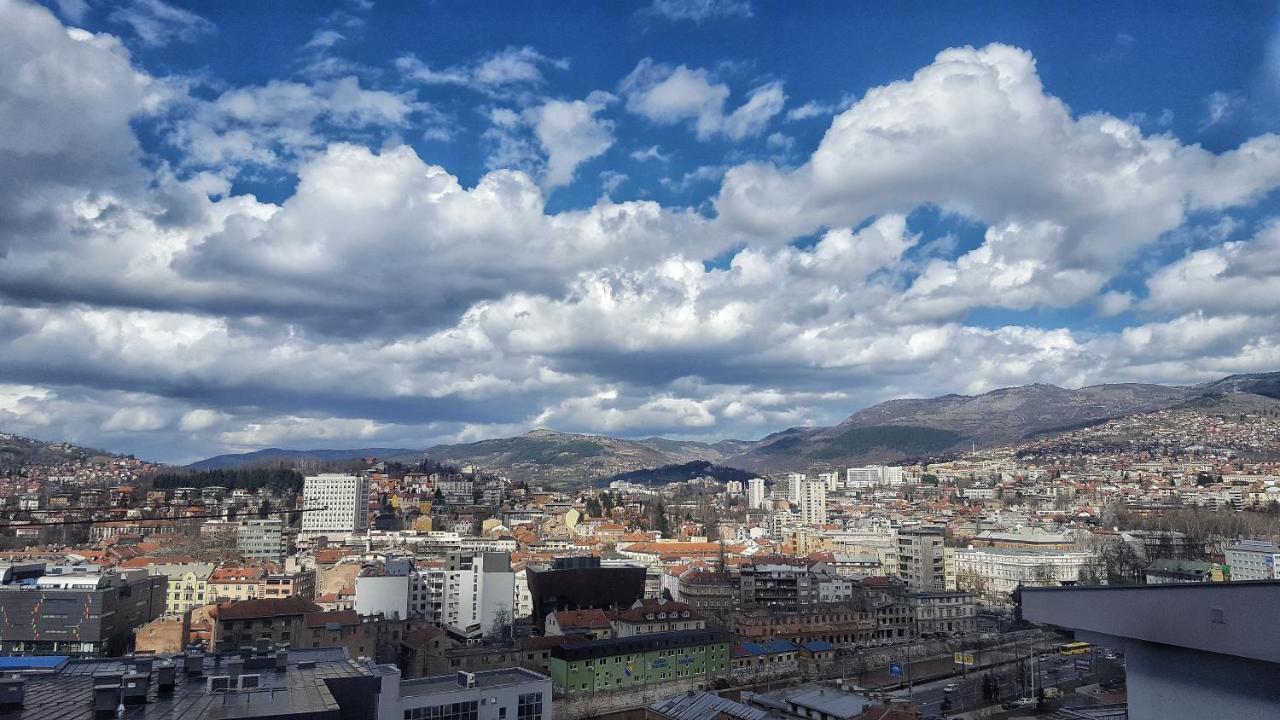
592,666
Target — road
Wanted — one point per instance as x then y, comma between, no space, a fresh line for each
968,694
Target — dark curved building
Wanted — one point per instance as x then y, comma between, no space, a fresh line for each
580,583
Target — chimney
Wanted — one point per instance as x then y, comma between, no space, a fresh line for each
135,688
282,658
12,692
235,666
193,664
106,697
166,676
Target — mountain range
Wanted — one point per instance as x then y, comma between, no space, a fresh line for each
892,431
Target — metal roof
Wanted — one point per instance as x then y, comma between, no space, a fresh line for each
699,705
67,692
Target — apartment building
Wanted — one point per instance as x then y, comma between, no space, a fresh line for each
813,502
943,612
262,539
922,558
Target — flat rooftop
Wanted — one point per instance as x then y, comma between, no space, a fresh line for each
1232,618
66,691
484,679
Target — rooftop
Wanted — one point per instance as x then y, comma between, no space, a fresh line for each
66,692
483,679
697,705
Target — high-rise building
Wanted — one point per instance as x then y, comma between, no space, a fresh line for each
922,558
335,503
261,539
471,592
831,480
813,502
755,493
794,483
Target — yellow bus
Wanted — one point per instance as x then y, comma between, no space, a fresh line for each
1075,648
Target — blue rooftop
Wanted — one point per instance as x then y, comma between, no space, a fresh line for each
818,646
34,662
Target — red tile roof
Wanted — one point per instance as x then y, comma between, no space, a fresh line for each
581,619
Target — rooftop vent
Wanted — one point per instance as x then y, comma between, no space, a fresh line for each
250,682
12,692
134,688
166,676
106,698
306,664
193,664
466,679
218,683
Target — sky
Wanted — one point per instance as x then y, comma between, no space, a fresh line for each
235,225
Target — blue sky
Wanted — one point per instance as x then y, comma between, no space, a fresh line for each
236,225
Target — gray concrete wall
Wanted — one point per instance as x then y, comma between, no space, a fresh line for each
1168,683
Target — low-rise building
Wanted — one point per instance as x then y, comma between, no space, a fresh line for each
992,573
590,666
243,623
943,612
506,694
1253,560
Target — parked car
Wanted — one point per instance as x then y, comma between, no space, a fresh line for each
950,687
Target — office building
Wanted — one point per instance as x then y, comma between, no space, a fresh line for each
1191,650
1253,560
261,539
507,694
77,610
870,476
335,504
756,496
922,558
580,583
993,573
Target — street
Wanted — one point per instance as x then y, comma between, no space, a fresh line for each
968,695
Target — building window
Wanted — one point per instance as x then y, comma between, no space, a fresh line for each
469,710
529,706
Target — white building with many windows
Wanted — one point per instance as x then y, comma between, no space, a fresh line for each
1253,560
335,504
813,502
755,493
993,573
